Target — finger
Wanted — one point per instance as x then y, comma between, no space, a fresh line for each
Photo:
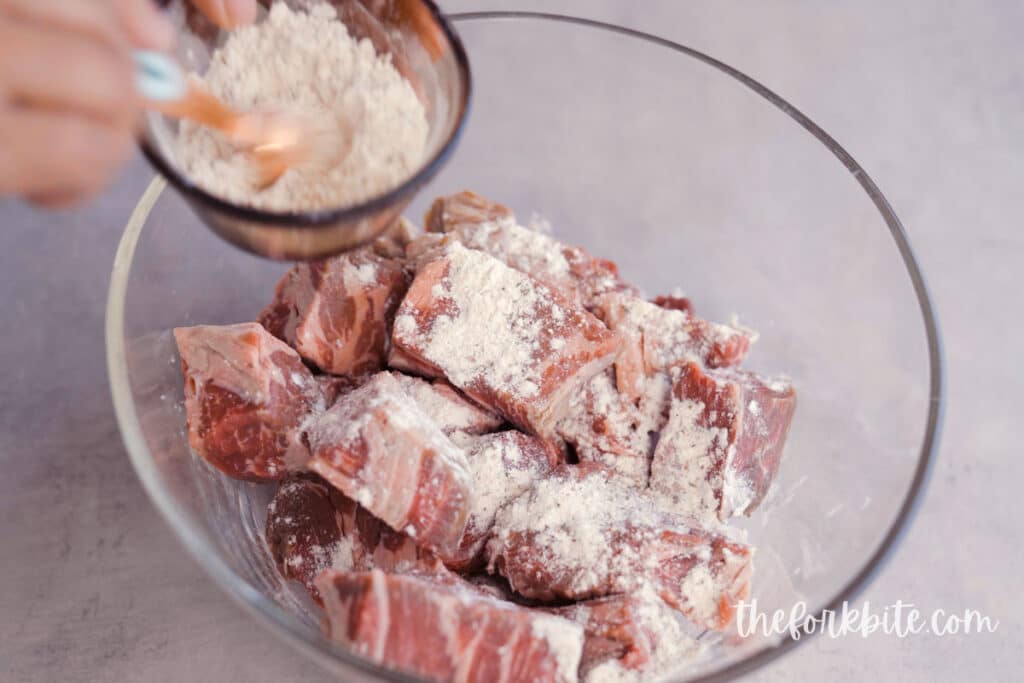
58,200
228,13
66,71
88,17
45,153
145,25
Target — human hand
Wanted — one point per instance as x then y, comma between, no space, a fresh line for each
68,108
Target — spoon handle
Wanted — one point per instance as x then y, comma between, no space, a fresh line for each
162,82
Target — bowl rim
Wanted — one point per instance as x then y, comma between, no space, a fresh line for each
331,654
329,217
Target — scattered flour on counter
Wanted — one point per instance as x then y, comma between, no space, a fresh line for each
307,63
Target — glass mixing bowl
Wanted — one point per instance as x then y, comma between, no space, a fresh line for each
684,171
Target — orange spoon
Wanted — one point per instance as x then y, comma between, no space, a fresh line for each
274,142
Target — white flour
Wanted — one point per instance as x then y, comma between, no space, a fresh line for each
489,299
307,63
564,640
684,460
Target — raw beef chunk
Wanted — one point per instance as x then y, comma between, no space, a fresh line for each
311,526
400,360
449,409
447,214
503,465
334,387
379,448
447,632
596,277
336,312
395,239
501,337
528,251
636,633
605,427
583,534
675,303
246,396
722,445
486,226
303,529
665,337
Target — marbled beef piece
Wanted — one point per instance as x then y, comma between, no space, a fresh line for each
658,339
480,224
721,448
336,312
448,214
400,360
502,465
246,396
605,427
380,449
674,302
447,632
311,526
396,238
501,337
449,409
583,534
334,387
632,633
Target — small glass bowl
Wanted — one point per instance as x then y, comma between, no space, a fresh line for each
425,49
685,172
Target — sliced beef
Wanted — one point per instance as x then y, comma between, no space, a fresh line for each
379,448
583,534
503,465
501,337
447,632
246,396
336,312
722,445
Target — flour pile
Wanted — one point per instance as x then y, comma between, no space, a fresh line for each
307,63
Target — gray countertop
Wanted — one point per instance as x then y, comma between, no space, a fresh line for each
928,96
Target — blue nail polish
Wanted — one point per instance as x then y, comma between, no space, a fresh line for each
158,77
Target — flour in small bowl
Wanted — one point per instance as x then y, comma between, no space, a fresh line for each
307,63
